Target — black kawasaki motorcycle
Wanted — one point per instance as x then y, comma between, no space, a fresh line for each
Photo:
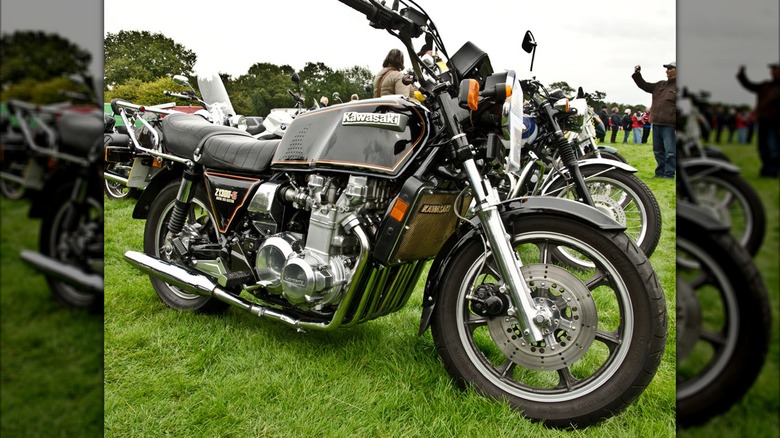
333,224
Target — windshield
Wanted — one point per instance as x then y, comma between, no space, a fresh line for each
213,91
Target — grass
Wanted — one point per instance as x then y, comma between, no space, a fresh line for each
182,374
51,357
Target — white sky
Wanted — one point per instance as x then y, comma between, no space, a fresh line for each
589,44
715,37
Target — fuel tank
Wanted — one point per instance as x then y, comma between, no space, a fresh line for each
372,136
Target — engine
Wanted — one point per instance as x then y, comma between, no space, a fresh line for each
312,268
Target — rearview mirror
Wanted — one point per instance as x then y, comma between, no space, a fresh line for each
529,43
295,78
181,79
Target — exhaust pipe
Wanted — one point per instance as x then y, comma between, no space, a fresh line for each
12,178
199,284
114,178
71,275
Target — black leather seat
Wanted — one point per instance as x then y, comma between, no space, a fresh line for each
221,147
79,132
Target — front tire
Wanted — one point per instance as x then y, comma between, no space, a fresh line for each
157,244
602,348
723,324
733,201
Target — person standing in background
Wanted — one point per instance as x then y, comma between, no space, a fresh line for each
614,123
664,118
767,118
646,126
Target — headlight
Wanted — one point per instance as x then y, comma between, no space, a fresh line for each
238,122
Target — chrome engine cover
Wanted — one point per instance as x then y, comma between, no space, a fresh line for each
315,272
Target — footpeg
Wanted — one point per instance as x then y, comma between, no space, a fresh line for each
236,279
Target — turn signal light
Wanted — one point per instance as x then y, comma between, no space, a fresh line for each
399,210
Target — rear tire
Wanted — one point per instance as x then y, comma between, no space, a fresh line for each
80,245
155,242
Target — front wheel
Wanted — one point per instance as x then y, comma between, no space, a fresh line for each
603,340
723,324
623,197
733,201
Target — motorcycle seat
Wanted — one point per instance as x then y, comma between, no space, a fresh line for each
79,132
220,147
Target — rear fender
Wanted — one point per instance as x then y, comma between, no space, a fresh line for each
510,211
162,178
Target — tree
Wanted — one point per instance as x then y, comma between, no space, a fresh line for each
38,56
563,86
145,93
144,56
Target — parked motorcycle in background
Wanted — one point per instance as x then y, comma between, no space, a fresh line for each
65,193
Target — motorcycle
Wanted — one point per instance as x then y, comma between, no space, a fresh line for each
557,136
68,201
723,310
718,185
334,224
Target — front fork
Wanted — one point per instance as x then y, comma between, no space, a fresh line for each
509,264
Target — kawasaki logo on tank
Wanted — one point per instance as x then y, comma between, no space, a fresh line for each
392,121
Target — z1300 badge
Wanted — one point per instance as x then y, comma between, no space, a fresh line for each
225,195
391,121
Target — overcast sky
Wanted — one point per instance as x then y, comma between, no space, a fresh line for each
583,43
593,44
715,37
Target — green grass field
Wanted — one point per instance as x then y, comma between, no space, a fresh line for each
51,357
183,374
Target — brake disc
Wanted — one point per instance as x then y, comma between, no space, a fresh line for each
569,330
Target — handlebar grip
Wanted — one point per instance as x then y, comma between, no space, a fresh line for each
114,106
364,8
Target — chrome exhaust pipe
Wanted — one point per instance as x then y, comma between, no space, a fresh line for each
11,177
196,283
71,275
114,178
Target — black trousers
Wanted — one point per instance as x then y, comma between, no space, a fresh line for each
615,130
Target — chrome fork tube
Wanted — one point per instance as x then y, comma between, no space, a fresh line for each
508,263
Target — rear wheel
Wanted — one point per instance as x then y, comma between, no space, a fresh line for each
603,340
115,190
76,240
158,243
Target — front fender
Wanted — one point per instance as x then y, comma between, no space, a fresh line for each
510,211
698,165
692,215
591,163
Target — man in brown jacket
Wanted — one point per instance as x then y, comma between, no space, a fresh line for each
768,118
664,118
